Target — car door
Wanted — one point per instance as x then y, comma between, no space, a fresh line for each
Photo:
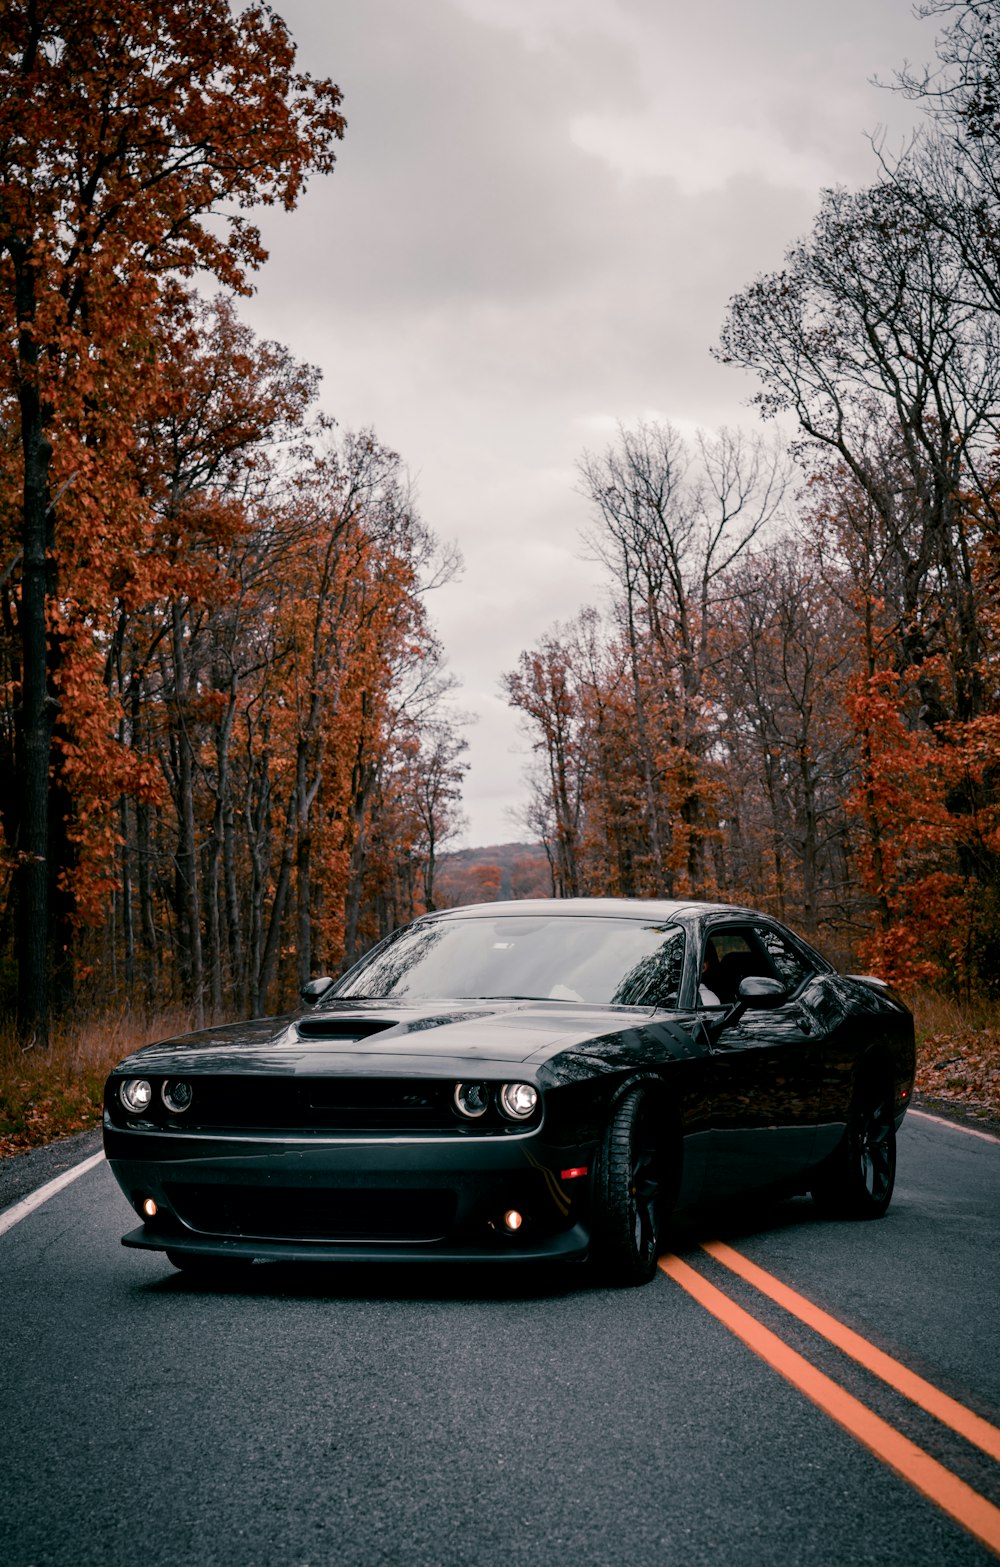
765,1070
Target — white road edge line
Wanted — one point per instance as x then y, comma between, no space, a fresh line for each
20,1210
956,1126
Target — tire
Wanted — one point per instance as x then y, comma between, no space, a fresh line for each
857,1180
630,1198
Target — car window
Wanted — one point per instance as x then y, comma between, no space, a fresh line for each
655,981
622,962
789,964
729,954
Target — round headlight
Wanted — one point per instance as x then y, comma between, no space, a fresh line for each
135,1094
518,1100
472,1099
177,1095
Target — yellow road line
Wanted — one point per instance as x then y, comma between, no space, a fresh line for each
948,1410
945,1489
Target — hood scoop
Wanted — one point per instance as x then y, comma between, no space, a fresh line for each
343,1027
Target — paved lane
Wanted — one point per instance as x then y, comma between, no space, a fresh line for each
926,1279
370,1417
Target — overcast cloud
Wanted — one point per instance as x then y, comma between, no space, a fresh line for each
540,210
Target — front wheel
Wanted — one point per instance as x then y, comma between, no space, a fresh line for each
629,1192
857,1180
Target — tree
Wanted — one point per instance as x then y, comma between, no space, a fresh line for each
789,759
134,140
951,173
206,456
881,337
432,789
671,521
543,689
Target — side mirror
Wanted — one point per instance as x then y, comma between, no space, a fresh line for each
315,989
756,991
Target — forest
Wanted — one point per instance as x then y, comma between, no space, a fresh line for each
227,755
792,699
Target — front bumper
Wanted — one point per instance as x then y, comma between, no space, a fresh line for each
570,1247
351,1199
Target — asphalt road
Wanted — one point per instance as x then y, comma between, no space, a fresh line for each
373,1416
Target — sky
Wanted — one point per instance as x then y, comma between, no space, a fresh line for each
539,212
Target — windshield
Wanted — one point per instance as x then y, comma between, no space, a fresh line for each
553,957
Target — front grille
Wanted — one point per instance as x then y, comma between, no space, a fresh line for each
314,1213
318,1104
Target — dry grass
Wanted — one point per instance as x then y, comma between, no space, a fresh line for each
958,1053
48,1094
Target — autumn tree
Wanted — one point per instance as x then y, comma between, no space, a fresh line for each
282,689
135,139
208,465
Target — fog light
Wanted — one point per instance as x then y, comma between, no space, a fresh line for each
177,1095
518,1100
136,1094
472,1099
149,1208
512,1219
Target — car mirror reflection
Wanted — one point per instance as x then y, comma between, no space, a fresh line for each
314,990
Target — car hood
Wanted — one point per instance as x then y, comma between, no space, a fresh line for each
381,1037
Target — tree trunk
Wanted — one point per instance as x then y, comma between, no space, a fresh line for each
128,928
189,902
269,959
35,715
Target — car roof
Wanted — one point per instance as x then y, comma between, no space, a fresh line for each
660,909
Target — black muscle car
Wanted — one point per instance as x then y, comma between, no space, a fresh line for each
510,1081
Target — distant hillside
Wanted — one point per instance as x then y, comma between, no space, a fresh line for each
497,872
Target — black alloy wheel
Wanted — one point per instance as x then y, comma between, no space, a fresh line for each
858,1179
629,1193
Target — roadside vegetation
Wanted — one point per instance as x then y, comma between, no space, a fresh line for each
48,1094
958,1054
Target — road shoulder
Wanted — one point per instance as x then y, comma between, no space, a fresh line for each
26,1172
948,1110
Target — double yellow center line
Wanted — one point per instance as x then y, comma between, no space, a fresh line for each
979,1516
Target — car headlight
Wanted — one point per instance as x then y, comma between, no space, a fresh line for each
518,1100
135,1094
472,1099
177,1095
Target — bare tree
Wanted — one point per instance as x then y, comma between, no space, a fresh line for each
670,522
